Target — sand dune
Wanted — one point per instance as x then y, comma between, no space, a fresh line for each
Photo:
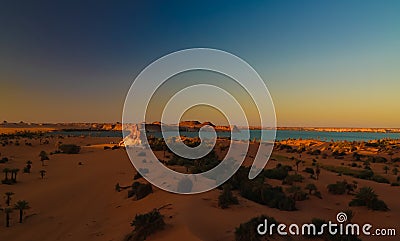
79,202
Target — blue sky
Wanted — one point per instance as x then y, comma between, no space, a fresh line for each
326,63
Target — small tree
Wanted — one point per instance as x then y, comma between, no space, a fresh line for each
7,211
42,173
21,205
226,198
6,171
43,157
8,197
298,161
28,167
395,171
386,169
14,173
317,172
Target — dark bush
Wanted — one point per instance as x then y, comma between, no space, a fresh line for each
297,194
314,152
309,170
290,179
338,153
265,194
396,159
377,159
365,174
378,205
145,225
337,188
70,148
367,197
278,173
4,160
226,198
380,179
140,190
137,176
248,231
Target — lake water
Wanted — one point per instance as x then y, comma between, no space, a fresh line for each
280,135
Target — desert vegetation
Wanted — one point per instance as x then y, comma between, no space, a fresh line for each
367,197
226,197
247,231
145,225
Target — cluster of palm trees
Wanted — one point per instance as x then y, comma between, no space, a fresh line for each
13,178
20,205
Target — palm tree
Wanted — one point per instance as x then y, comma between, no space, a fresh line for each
43,157
298,161
6,171
395,171
386,169
311,187
21,205
14,174
317,172
8,211
42,173
8,197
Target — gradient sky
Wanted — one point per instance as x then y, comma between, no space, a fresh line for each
326,63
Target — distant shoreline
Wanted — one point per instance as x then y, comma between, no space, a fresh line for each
49,127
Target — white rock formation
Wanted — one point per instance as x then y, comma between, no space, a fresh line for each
135,137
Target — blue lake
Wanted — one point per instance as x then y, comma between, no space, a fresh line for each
280,135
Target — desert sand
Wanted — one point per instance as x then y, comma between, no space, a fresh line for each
79,201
